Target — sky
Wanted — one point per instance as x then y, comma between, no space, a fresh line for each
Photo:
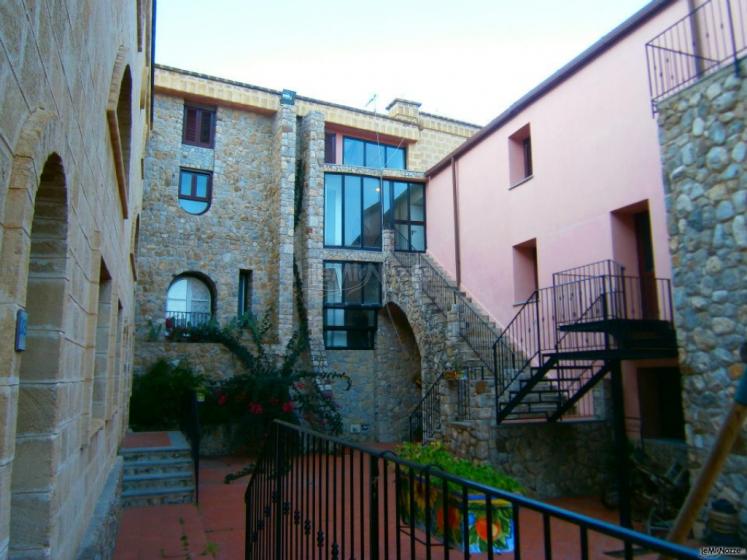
464,59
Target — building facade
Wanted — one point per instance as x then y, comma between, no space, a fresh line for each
242,183
75,90
574,175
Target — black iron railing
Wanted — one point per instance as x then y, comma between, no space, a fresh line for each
425,419
535,330
464,387
606,267
708,38
192,429
313,496
186,319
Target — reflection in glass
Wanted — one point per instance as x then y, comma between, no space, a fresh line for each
352,152
352,224
333,209
371,212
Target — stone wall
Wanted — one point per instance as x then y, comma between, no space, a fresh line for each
74,105
237,231
212,360
556,459
704,154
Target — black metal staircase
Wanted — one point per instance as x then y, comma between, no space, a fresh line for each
567,337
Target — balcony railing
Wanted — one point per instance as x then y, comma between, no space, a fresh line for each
708,38
314,496
186,319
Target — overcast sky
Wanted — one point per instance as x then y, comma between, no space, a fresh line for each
465,59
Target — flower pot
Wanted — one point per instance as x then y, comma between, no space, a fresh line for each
476,536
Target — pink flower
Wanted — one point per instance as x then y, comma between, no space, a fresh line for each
288,407
255,408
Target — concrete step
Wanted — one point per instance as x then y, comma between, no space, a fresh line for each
157,496
175,482
163,466
135,454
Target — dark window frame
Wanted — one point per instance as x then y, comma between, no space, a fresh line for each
409,221
345,306
360,247
330,147
192,196
381,144
201,112
244,303
526,146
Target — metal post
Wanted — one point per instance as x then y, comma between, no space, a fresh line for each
279,497
733,40
621,445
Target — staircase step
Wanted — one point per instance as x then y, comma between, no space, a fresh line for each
550,397
163,466
178,481
157,496
136,454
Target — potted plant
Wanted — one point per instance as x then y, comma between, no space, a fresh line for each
451,522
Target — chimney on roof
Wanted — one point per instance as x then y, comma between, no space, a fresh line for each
404,110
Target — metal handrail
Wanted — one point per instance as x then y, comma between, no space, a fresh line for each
705,40
311,494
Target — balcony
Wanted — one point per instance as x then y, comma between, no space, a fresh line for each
710,37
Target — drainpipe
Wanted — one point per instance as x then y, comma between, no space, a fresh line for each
457,245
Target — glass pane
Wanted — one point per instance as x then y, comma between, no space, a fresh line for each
387,201
197,290
185,183
333,209
176,299
371,212
417,237
374,155
330,147
335,317
336,339
395,157
202,186
352,236
359,318
352,151
371,285
400,201
206,126
193,206
332,282
401,239
352,285
417,202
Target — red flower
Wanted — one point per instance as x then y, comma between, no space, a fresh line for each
274,401
481,526
222,399
169,323
288,407
300,386
453,518
255,408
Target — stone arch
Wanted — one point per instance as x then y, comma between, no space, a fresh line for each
40,394
210,310
398,373
119,118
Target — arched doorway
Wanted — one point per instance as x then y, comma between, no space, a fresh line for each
398,374
40,387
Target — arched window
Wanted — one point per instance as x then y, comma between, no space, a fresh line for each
189,302
195,190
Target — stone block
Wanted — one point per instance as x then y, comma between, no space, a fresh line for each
39,405
30,524
41,359
8,408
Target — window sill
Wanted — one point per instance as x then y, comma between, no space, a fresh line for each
521,182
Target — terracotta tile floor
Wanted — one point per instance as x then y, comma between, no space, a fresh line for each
134,440
215,528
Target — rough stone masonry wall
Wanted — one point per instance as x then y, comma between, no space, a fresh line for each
704,150
57,66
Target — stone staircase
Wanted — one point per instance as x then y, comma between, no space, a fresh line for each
158,475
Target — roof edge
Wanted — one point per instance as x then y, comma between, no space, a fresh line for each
582,60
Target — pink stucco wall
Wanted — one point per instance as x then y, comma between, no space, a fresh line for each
595,159
595,151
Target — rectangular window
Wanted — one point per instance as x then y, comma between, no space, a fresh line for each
352,297
195,190
330,147
352,211
525,270
404,211
520,156
245,292
366,153
199,126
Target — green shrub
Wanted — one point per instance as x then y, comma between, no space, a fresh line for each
160,396
435,454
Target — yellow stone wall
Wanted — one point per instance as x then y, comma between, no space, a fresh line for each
71,157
